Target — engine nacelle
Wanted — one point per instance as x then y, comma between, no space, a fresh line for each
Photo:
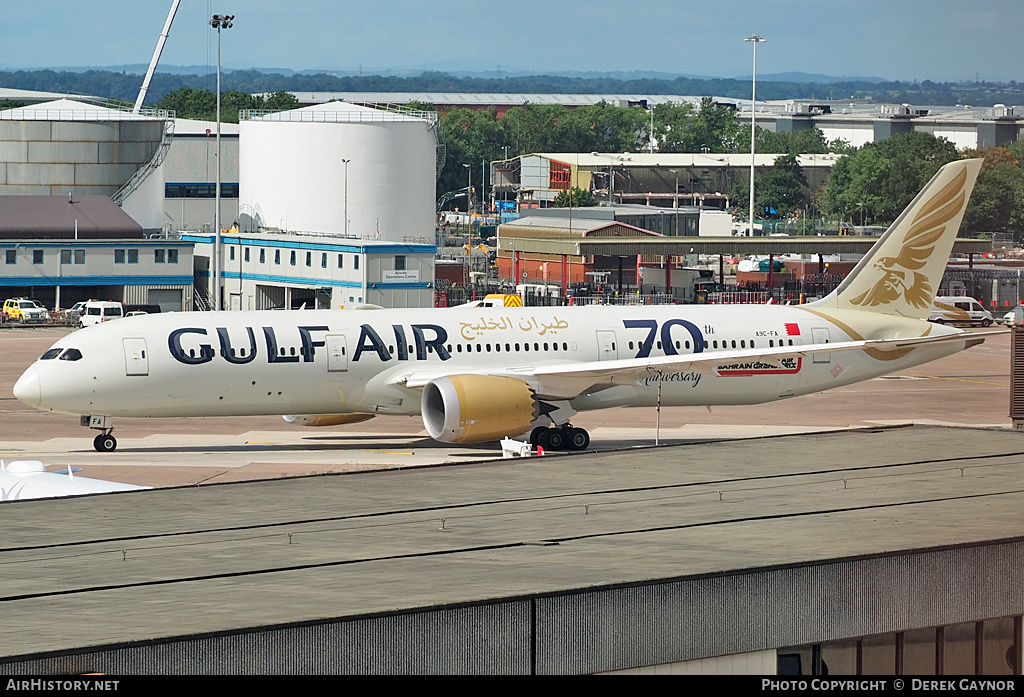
326,419
476,408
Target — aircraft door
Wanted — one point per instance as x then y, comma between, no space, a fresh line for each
819,335
606,348
136,360
337,357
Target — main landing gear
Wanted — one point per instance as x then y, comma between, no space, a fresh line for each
105,441
561,438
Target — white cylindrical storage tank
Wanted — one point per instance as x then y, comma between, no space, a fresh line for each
68,146
293,175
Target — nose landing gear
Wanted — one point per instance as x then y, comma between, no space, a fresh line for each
105,441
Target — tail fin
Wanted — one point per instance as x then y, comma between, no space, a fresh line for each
901,273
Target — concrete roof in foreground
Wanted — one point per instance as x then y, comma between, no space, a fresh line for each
109,569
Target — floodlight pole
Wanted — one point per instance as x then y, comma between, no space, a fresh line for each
469,202
346,194
754,39
218,22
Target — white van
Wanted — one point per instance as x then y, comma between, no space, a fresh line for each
959,309
97,311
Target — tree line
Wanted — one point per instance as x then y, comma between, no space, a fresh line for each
124,85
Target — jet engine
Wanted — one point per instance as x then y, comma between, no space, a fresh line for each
326,419
475,408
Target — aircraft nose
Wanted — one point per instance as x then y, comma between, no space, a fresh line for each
27,388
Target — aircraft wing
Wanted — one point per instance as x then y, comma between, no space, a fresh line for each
567,380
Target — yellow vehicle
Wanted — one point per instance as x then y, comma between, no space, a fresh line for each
504,299
25,311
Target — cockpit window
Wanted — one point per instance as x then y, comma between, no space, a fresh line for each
51,354
72,354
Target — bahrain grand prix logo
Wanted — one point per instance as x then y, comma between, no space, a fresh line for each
900,273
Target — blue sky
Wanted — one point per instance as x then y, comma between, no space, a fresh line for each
942,40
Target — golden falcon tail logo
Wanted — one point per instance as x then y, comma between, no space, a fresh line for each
900,276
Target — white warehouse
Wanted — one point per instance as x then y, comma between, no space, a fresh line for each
339,168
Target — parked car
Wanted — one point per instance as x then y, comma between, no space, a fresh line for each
139,309
1007,319
75,313
25,311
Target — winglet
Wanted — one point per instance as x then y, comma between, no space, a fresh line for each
902,272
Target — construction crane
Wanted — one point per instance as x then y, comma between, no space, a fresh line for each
156,57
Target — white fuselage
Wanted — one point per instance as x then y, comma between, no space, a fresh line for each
344,361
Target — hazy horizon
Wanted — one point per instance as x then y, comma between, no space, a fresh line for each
909,41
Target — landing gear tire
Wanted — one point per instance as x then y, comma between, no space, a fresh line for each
104,443
556,439
535,435
578,439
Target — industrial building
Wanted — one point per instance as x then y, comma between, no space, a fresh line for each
269,271
68,146
340,180
189,174
60,250
659,179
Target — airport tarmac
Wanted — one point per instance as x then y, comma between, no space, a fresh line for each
968,389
